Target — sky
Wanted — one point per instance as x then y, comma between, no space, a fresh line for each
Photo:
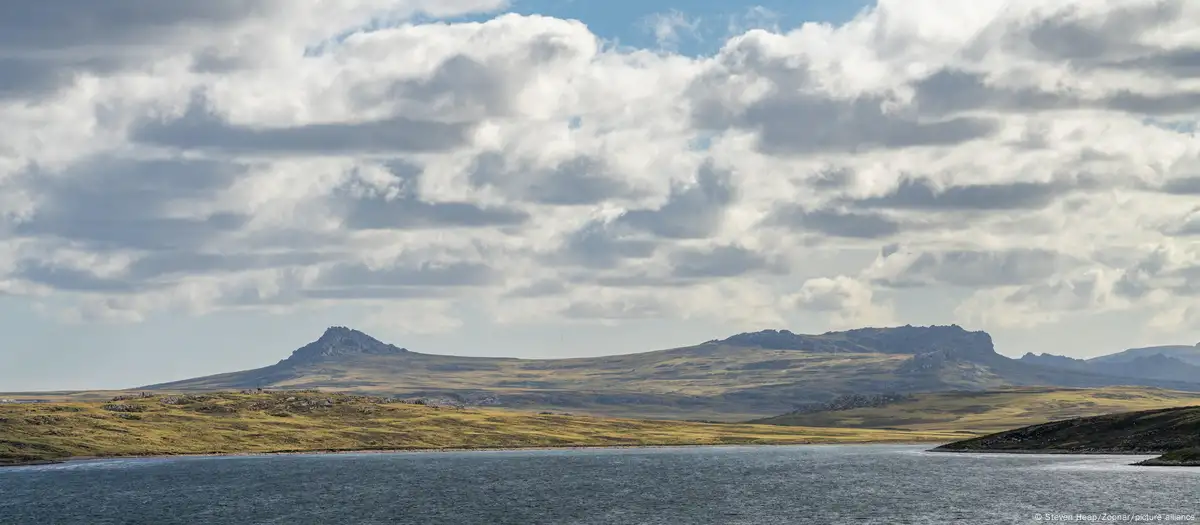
189,188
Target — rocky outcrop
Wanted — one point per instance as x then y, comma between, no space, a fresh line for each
1179,458
853,401
339,341
906,339
121,407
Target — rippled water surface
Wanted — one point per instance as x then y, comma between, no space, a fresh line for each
723,485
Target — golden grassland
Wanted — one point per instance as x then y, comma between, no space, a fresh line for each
234,423
994,411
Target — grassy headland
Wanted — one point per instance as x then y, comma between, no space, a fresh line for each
990,411
289,421
1174,432
1179,458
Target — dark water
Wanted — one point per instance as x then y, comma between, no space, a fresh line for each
729,485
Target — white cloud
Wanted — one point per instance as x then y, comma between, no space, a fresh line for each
1036,159
670,27
847,302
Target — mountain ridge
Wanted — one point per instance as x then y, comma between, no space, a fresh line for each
745,376
1170,363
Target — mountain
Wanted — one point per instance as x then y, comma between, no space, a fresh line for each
1187,354
340,341
1167,363
1144,432
744,376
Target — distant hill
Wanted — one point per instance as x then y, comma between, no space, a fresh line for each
1187,354
1144,432
980,412
1167,363
742,377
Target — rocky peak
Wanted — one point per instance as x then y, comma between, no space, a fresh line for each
774,339
906,339
339,341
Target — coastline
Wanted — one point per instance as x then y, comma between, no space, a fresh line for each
420,450
1089,452
1156,461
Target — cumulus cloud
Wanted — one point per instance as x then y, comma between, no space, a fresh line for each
1024,161
847,302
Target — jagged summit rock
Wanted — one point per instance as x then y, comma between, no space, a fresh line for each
340,341
906,339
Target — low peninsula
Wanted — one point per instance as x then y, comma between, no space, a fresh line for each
1173,432
251,422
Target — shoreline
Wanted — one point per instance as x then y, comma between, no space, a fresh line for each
1155,461
1092,452
418,450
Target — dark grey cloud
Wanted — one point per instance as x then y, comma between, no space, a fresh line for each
794,118
407,211
1086,37
579,181
23,77
691,212
1157,104
1181,63
836,223
45,45
601,245
72,279
69,24
373,292
1189,281
719,261
975,269
543,288
832,178
633,308
640,279
359,281
160,265
198,129
1182,186
921,194
797,124
158,270
110,203
951,91
460,86
1188,227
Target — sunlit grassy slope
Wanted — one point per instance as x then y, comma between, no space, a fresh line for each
1173,431
311,421
994,411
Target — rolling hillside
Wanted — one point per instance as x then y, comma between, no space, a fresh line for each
742,377
981,412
